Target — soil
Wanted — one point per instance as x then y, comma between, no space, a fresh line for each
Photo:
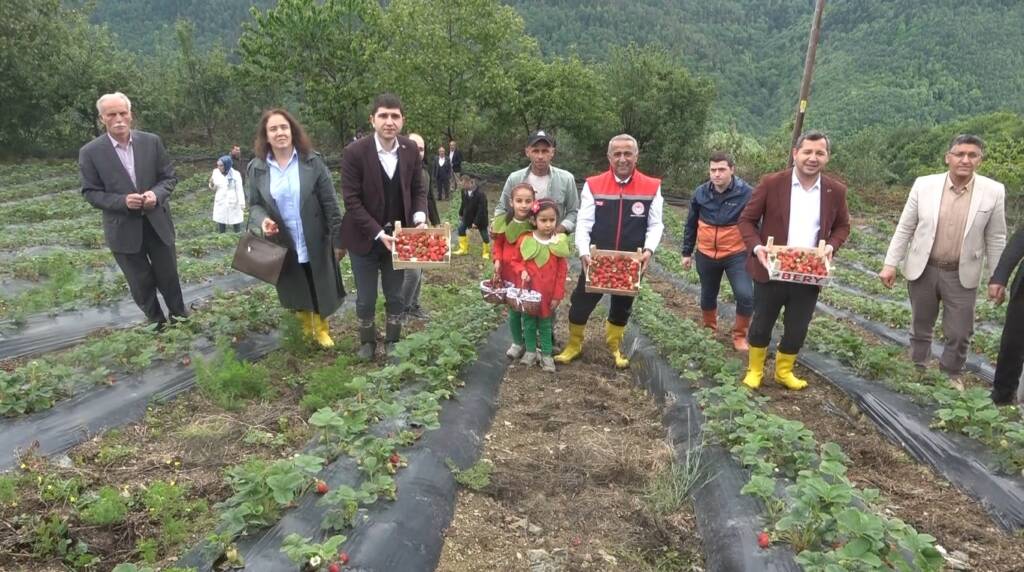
573,454
913,491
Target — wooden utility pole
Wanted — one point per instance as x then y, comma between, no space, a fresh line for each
805,84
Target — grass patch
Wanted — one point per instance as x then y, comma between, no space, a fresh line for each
227,380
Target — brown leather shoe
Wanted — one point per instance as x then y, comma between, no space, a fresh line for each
710,319
739,333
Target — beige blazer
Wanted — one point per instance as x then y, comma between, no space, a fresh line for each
984,234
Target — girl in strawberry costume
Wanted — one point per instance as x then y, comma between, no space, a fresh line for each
505,230
542,267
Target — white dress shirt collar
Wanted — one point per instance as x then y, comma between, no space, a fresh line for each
117,144
388,159
814,187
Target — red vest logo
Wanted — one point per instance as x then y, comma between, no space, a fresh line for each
638,209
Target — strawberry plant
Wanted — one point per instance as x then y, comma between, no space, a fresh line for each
822,508
310,556
104,507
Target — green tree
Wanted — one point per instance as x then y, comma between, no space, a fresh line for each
324,54
659,103
441,54
207,80
55,65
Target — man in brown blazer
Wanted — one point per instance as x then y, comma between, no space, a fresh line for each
799,207
381,183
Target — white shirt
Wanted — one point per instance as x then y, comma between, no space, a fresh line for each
804,213
440,161
388,159
586,216
126,153
540,184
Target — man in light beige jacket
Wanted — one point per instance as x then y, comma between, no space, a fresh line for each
951,222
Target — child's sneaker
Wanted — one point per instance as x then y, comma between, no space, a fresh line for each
547,363
529,359
515,351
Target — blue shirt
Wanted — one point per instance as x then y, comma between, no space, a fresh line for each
284,187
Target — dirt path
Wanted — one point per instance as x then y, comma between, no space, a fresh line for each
915,494
574,455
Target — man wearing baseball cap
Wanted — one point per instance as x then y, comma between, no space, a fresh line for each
548,181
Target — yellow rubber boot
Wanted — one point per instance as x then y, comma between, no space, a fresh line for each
574,348
487,252
463,246
784,372
323,331
613,337
308,329
755,367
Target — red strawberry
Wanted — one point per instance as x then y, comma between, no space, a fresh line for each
343,558
394,458
763,540
321,488
334,567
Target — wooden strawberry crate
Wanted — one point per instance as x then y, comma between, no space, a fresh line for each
400,260
777,260
633,257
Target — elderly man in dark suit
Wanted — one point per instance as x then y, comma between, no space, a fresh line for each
798,207
381,183
128,175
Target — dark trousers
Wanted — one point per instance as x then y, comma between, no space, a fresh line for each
583,303
366,269
444,189
1011,348
222,228
735,267
484,235
154,267
769,299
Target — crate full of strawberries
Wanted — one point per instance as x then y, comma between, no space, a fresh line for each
799,264
614,272
422,247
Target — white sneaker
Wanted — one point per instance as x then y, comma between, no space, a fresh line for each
547,363
515,351
529,359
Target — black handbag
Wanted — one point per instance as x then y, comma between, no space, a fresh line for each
259,258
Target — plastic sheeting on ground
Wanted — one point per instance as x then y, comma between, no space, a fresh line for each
46,332
728,521
70,422
964,462
406,534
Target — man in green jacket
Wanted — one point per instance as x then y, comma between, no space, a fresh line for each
549,182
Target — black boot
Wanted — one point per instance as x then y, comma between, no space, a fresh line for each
367,341
392,332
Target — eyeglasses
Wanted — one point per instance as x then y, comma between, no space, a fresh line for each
961,155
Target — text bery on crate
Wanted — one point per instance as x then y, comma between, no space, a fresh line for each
798,264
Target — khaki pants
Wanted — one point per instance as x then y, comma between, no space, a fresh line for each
937,285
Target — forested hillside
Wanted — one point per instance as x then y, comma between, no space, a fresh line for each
142,24
880,60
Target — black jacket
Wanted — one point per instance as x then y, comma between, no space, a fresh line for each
456,160
1011,258
441,173
473,210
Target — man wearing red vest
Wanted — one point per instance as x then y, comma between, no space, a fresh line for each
620,209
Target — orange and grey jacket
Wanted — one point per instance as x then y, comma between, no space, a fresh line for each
711,224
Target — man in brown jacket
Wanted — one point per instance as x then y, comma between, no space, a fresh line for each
799,207
381,183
